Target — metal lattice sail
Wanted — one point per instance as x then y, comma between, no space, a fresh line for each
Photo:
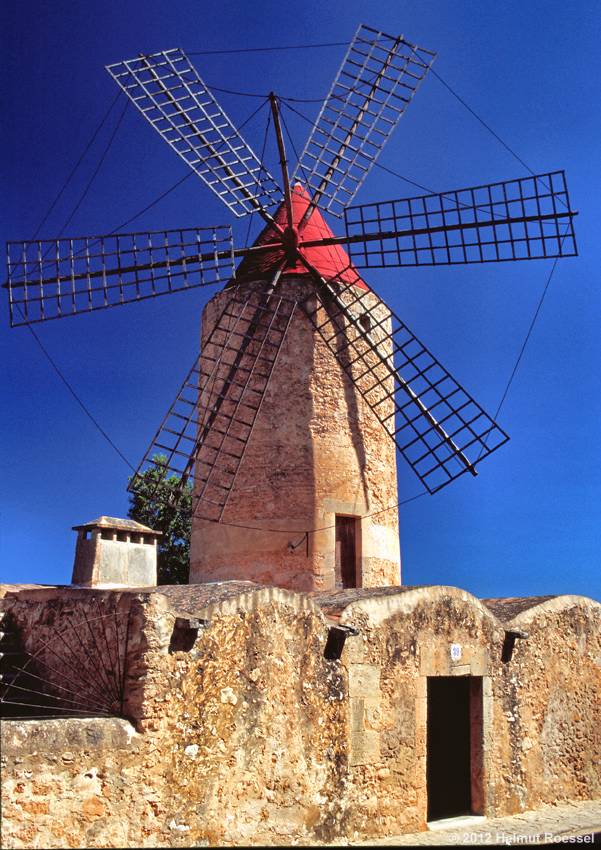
437,426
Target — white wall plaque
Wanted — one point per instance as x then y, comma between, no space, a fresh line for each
455,651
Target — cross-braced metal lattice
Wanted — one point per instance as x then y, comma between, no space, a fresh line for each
438,427
169,93
523,219
75,667
49,279
204,436
373,87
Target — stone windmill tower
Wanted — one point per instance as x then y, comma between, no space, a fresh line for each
307,383
318,457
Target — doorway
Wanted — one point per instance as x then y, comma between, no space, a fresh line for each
345,569
454,746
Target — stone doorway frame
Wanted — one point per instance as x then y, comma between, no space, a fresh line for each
480,731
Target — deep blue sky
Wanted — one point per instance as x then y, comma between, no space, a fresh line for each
529,523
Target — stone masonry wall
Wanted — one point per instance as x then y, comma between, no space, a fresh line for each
234,739
240,731
552,690
540,710
316,450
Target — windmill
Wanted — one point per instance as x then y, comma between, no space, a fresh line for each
299,274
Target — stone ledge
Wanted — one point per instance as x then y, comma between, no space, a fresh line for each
21,738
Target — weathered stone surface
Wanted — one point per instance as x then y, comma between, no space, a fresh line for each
251,736
328,455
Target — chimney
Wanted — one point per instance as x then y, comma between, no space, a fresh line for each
113,552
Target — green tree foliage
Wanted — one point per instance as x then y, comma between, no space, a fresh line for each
168,512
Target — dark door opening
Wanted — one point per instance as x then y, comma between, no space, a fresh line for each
454,746
346,552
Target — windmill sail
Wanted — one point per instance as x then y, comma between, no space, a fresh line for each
205,433
55,278
169,93
374,85
524,219
439,429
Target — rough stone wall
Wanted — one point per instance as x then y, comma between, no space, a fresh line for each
540,720
77,642
403,640
240,730
236,739
552,690
316,450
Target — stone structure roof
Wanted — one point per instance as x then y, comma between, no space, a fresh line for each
508,607
193,598
333,602
117,523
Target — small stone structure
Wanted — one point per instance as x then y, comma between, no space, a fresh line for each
114,552
257,715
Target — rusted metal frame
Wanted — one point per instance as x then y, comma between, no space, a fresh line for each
41,281
374,324
214,152
410,360
195,368
47,646
247,339
423,411
459,455
149,249
392,234
86,654
525,194
43,693
465,425
331,169
442,464
91,241
476,227
283,161
392,372
58,288
190,456
212,414
572,234
420,373
87,276
102,669
113,672
53,708
262,399
125,651
182,261
10,294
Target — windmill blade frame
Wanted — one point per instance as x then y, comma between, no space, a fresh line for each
167,89
522,219
206,431
51,279
375,83
443,431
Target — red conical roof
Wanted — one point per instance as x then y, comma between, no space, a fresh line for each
329,260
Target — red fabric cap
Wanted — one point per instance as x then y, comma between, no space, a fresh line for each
329,260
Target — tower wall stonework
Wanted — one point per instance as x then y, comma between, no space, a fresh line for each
316,450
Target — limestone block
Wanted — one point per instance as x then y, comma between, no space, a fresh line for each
364,680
